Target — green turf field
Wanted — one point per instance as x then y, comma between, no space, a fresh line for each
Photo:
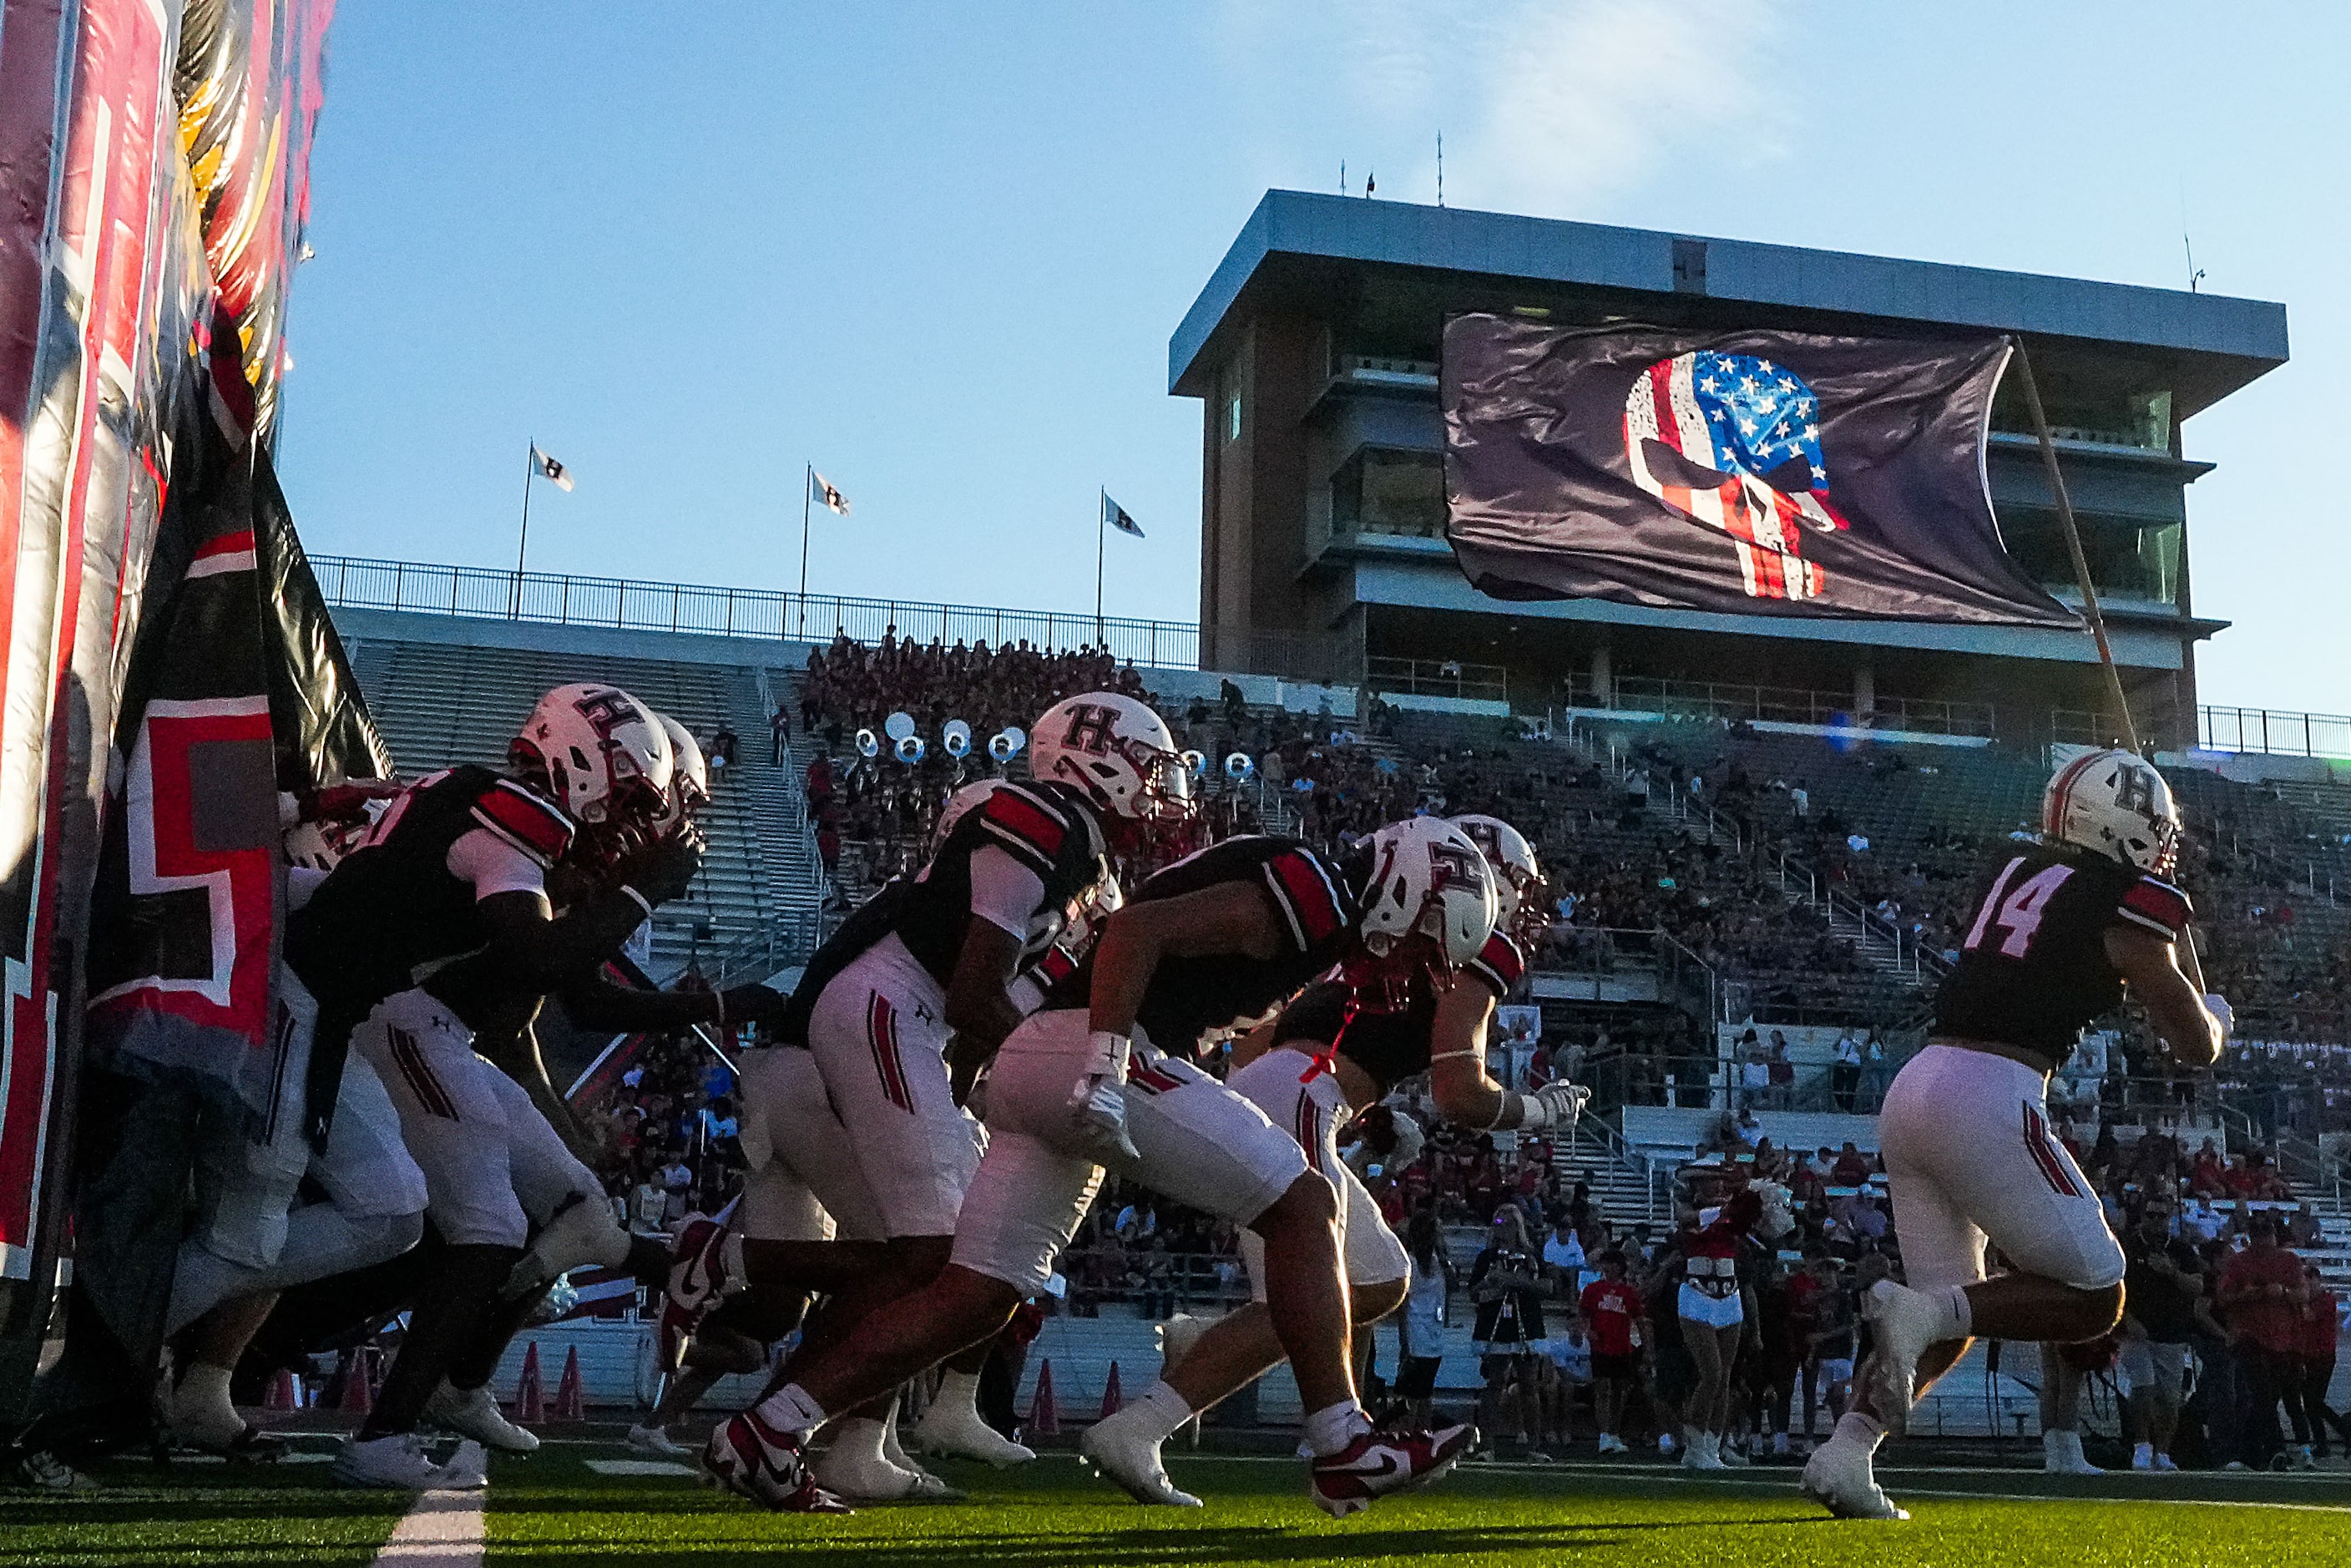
556,1508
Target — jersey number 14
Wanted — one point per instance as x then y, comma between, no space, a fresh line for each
2017,913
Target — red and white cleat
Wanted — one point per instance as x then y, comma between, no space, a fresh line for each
754,1461
1380,1463
697,1274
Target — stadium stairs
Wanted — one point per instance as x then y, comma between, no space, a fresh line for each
440,703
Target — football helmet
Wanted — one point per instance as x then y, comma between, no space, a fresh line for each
600,754
2115,804
1429,880
1117,753
689,785
1518,878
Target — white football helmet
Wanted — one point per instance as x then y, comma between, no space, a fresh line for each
1428,879
689,785
1509,856
1117,753
2115,804
603,755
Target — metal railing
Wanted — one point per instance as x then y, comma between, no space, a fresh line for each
2273,732
1437,678
562,599
1779,705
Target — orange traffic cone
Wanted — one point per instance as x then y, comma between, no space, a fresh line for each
282,1394
1112,1396
1044,1421
570,1400
358,1385
531,1395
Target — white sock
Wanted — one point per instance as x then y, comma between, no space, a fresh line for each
1853,1426
205,1385
958,1396
790,1409
1958,1314
1159,1411
732,1277
1332,1427
858,1438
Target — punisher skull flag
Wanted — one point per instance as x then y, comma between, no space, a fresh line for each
1748,473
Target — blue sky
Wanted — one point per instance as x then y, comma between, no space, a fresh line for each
938,250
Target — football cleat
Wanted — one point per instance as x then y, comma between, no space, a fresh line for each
472,1413
867,1478
1904,1323
1381,1464
1131,1461
654,1440
957,1432
1838,1478
697,1273
754,1461
2061,1455
397,1462
468,1470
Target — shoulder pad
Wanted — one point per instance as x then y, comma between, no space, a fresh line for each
530,824
1025,822
2157,905
1307,895
1501,964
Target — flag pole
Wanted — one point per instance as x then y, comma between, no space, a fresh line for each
1101,515
808,484
530,468
2073,545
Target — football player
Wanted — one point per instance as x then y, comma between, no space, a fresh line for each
2065,926
918,975
1331,1053
1105,1074
458,866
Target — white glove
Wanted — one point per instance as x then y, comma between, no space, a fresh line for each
1554,1105
2218,1006
1098,1100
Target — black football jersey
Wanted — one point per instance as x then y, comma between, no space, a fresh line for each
1191,997
391,909
2033,969
1394,1043
1046,828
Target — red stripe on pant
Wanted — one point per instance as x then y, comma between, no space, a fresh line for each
882,1036
2046,1155
421,1082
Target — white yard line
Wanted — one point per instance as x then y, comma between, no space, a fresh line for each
445,1530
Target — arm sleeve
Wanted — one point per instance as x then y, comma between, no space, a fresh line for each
1004,891
1307,897
493,865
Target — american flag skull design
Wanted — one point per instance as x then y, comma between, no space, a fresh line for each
1734,442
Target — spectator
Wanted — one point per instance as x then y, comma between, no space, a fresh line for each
2321,1328
1616,1317
779,725
2263,1296
1505,1282
1422,1331
1562,1257
1845,1072
2164,1282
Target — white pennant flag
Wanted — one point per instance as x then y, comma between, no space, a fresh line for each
553,472
826,492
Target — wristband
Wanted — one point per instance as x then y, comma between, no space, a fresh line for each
1504,1119
1534,1112
643,903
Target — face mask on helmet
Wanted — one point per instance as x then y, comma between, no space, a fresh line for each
689,789
1426,881
600,754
